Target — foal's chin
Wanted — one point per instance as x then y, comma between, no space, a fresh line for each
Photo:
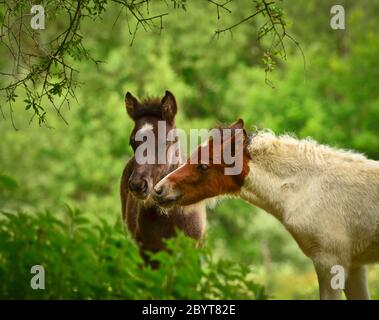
140,196
167,202
145,198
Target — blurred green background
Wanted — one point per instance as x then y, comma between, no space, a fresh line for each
335,100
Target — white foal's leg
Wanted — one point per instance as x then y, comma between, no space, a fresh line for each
324,281
329,289
356,284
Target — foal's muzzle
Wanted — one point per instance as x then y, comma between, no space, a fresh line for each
162,196
139,187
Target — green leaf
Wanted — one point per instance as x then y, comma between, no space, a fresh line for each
7,182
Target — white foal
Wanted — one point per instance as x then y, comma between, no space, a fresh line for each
327,199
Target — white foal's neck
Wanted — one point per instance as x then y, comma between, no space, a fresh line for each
281,166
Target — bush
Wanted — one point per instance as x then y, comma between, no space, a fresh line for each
87,260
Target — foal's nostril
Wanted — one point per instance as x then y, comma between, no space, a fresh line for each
132,186
138,186
143,186
158,190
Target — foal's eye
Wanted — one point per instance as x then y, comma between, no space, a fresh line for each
202,167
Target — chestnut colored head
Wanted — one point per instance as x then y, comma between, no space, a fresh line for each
146,115
200,178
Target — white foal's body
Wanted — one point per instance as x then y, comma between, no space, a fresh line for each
327,199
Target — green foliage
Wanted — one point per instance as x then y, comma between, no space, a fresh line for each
7,182
84,260
48,75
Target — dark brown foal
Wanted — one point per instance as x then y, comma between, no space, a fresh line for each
147,222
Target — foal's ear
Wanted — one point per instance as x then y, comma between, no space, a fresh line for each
237,125
169,107
131,103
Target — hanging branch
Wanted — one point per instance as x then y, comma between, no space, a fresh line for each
45,73
275,27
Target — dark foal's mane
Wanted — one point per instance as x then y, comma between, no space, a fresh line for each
149,107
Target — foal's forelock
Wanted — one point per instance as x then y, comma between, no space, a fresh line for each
153,127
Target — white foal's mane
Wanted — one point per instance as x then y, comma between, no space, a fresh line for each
265,142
